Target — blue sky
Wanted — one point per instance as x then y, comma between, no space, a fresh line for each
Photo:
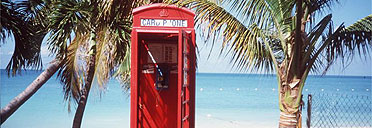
348,11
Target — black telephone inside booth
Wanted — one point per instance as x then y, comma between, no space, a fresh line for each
162,77
162,57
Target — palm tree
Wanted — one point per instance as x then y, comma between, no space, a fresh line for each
63,20
31,89
21,19
282,36
15,22
91,38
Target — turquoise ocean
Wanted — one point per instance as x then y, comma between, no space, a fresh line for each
222,100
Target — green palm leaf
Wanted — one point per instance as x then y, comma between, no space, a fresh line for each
250,44
26,36
71,72
357,38
111,21
66,18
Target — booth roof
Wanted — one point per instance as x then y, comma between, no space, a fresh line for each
160,5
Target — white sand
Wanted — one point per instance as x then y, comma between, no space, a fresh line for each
210,122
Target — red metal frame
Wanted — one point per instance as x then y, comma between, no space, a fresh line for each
180,78
173,13
134,81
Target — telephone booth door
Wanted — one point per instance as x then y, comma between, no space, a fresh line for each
187,80
158,96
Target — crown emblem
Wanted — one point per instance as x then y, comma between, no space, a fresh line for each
163,13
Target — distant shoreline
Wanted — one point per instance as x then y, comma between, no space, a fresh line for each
240,74
253,74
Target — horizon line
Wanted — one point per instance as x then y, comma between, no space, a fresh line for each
238,73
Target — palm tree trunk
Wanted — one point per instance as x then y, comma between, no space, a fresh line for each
289,110
85,91
287,120
290,91
9,109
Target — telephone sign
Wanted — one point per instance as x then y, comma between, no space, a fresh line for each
162,67
163,23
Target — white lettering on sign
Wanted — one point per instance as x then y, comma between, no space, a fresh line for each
163,23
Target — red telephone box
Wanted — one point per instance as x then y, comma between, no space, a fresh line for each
163,67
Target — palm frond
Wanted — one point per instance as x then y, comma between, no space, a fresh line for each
105,57
252,50
357,38
71,72
363,25
112,50
246,42
27,39
258,12
314,35
123,43
66,17
114,38
70,24
123,71
120,27
320,5
31,8
343,43
113,9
